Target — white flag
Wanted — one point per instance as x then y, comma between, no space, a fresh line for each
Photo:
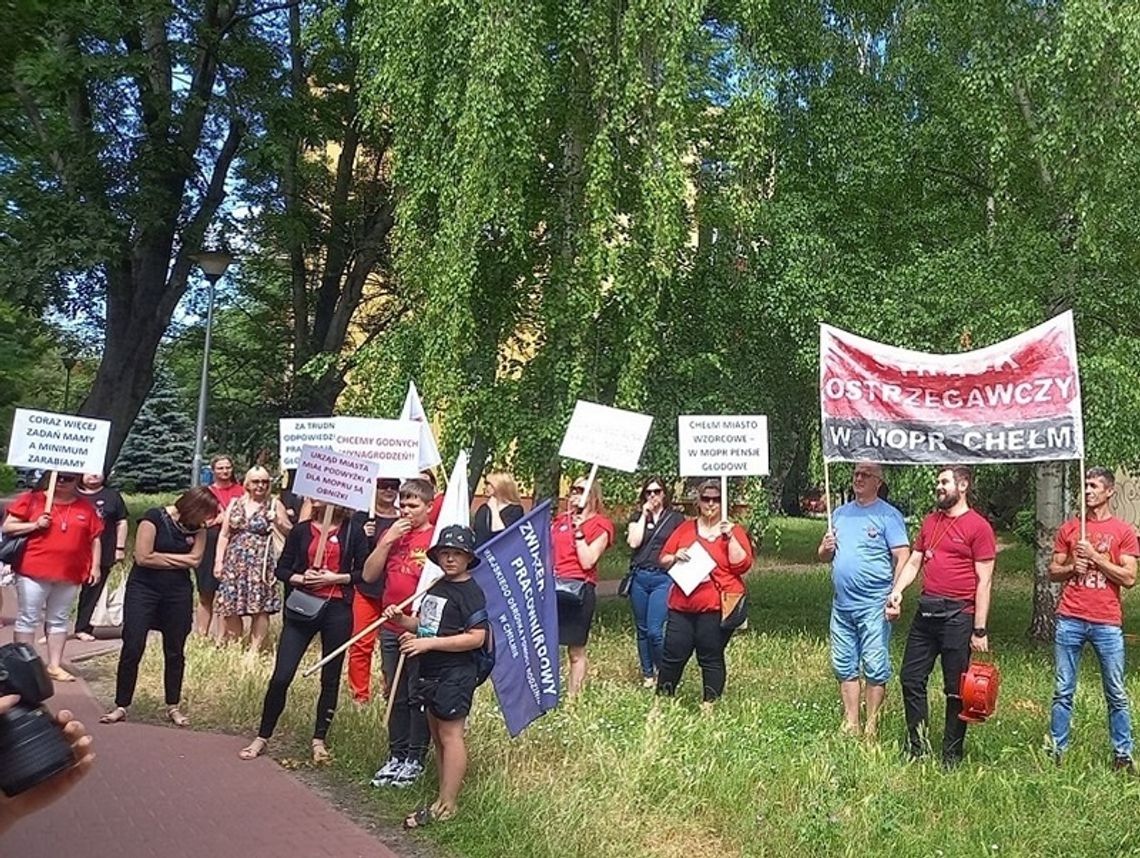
456,509
414,410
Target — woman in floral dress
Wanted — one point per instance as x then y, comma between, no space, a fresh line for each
246,560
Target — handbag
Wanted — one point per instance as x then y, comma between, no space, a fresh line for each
109,609
570,592
12,551
305,607
733,610
625,584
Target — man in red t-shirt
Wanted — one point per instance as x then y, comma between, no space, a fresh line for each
398,561
955,550
1093,569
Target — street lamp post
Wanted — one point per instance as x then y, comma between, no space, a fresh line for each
213,264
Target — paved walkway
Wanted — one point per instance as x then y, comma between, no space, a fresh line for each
159,791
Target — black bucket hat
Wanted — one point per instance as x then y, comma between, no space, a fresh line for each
455,536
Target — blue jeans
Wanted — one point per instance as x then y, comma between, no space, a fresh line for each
861,637
648,595
1108,644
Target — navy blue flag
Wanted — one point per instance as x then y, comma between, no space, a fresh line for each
517,577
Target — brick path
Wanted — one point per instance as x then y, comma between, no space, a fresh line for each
158,791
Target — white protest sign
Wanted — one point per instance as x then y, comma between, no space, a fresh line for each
294,432
687,574
393,444
728,445
335,478
456,509
58,442
610,437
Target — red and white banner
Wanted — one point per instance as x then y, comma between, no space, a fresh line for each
1016,401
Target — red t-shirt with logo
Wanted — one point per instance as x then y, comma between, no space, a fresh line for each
332,561
1092,597
950,547
406,560
566,564
225,495
62,552
725,577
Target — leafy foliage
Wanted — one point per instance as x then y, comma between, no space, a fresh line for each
159,451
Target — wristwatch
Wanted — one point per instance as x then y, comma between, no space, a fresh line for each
579,534
980,632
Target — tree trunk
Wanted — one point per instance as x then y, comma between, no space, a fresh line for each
1050,513
480,447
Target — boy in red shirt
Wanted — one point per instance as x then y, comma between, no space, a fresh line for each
1093,570
955,549
397,561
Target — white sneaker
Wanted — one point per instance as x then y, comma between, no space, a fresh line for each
408,774
386,773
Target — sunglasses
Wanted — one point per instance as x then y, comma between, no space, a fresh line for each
388,485
865,475
259,482
655,491
710,498
67,478
577,490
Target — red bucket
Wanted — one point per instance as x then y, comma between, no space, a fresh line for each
978,689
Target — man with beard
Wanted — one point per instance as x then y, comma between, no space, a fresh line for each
1093,568
955,550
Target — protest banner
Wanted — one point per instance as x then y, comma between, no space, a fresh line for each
1016,401
414,410
393,444
722,446
294,432
516,574
601,435
58,442
336,479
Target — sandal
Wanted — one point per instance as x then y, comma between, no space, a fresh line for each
119,713
254,749
321,753
58,674
176,717
424,816
86,637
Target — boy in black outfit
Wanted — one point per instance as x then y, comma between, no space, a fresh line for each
444,636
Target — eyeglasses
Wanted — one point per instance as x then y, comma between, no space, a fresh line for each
259,482
865,475
710,498
577,490
388,485
657,491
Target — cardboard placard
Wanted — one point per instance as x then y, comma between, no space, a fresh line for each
727,444
393,444
610,437
58,442
336,478
294,432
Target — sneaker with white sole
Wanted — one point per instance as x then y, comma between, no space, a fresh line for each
386,773
408,774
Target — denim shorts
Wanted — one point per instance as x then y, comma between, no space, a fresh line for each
861,637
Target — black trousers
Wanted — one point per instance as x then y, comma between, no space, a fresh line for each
88,598
685,633
335,628
931,638
408,734
162,600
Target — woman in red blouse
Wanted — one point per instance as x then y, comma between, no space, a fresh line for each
62,553
694,621
580,538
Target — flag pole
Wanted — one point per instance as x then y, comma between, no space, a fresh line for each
827,492
1084,509
724,497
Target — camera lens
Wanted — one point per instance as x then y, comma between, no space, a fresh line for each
32,748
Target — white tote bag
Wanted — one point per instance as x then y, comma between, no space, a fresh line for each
109,609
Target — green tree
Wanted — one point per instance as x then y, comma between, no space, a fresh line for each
158,452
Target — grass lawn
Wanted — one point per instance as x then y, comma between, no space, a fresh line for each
618,773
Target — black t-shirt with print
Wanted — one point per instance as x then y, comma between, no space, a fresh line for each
169,538
110,508
446,609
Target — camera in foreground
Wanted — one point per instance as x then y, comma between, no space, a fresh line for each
32,746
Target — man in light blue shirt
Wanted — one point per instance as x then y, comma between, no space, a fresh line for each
866,545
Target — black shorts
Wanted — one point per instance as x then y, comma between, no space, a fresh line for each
447,696
574,621
204,574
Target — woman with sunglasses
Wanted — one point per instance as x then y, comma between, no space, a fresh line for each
580,537
61,554
245,560
169,543
694,621
651,523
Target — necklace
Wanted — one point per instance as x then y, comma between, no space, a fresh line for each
63,523
939,535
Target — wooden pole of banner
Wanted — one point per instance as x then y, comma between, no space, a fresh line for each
1084,509
589,485
371,627
323,542
724,497
50,491
827,492
392,690
284,478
